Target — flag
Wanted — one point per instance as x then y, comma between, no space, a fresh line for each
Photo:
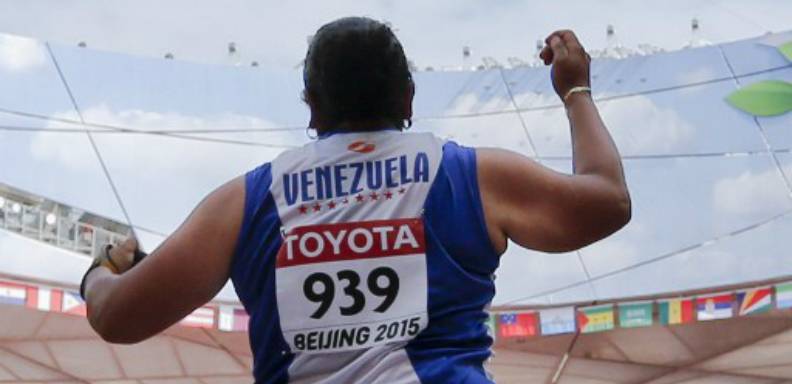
596,318
675,311
12,294
636,314
241,319
754,301
783,295
490,324
714,307
517,325
231,319
203,317
73,304
557,321
44,298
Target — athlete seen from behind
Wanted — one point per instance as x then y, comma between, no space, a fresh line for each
367,255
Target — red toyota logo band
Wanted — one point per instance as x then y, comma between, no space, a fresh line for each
351,241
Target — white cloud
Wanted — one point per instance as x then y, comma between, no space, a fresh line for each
751,193
160,179
639,126
698,75
19,54
501,130
132,153
471,103
275,32
524,272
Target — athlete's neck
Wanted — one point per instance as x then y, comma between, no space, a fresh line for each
355,127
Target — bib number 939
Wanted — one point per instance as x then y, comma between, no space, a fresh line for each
349,286
381,282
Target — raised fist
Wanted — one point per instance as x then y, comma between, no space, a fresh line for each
123,256
569,60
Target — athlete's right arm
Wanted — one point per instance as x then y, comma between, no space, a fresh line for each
544,210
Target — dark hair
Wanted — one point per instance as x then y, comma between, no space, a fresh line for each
356,70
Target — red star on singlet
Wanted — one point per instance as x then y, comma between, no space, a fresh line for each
303,209
331,204
388,195
401,191
360,198
317,207
374,196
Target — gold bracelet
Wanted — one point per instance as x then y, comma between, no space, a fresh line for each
575,90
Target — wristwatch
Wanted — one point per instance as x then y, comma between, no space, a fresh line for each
104,260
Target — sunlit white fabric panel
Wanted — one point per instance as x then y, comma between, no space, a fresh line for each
60,166
23,257
698,168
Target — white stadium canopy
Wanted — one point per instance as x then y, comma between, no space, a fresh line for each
710,186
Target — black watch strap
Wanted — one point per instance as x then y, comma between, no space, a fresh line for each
95,264
139,256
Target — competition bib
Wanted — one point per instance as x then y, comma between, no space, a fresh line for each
353,285
351,271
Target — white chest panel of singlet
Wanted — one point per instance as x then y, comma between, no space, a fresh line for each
351,273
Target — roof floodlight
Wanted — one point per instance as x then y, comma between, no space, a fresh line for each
490,62
2,201
696,39
412,66
50,219
232,49
610,31
169,56
16,208
466,51
82,44
254,63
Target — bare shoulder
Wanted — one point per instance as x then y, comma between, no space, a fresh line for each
219,216
233,190
500,173
541,209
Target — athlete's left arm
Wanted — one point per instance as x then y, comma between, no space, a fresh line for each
182,274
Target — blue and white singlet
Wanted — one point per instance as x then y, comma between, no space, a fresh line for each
365,258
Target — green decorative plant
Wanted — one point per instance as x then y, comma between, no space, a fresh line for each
786,50
765,98
768,97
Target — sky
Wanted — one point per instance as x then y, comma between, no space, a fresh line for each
699,170
433,32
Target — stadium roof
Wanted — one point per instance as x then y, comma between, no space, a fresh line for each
709,182
710,187
45,347
737,350
56,346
